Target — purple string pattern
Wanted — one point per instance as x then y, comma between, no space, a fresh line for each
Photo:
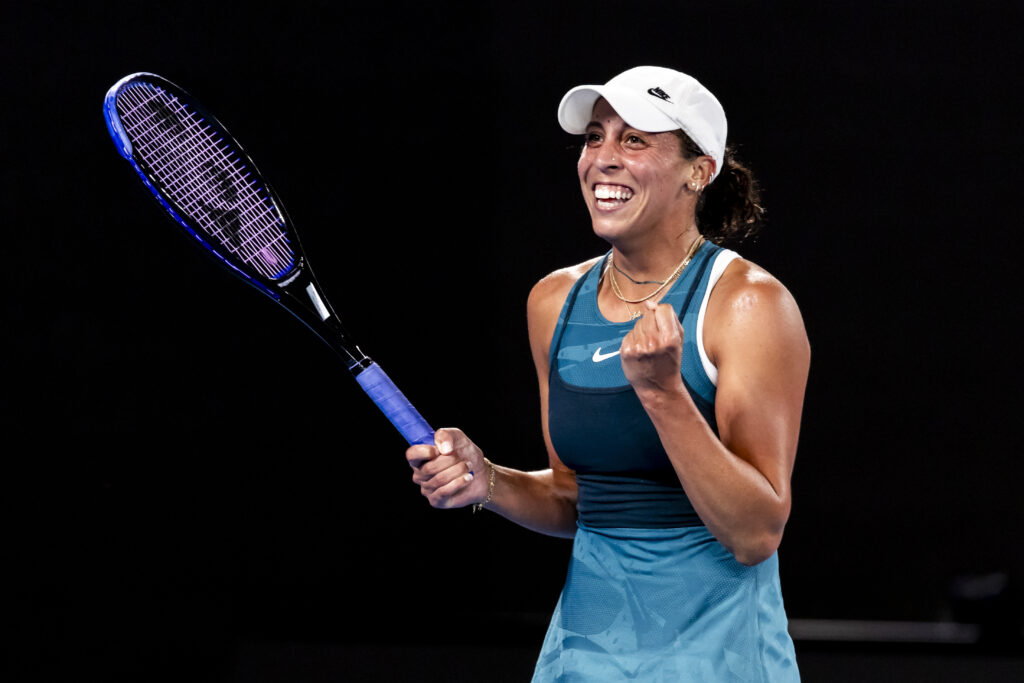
202,173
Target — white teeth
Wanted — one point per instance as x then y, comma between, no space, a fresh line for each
612,192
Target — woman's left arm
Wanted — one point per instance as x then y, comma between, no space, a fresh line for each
739,480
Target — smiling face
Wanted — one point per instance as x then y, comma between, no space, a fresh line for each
634,182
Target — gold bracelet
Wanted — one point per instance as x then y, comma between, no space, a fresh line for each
490,488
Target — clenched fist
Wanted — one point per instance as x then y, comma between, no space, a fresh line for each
652,352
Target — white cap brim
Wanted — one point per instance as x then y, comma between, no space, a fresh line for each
576,110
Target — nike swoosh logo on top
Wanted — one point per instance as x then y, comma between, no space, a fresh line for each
598,356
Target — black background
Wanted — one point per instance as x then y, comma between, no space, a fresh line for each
189,472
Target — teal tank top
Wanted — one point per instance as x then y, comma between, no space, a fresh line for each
597,425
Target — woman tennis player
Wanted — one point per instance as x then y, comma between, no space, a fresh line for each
672,376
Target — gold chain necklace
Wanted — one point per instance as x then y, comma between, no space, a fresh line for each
633,315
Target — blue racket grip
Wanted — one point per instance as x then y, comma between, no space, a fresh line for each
395,405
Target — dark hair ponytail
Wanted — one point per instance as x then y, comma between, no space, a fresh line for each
729,209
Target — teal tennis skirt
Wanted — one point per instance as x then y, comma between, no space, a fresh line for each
666,605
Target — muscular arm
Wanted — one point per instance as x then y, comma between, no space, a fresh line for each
544,500
739,481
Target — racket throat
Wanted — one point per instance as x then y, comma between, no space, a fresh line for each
318,303
316,312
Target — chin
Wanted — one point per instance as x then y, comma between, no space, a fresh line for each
609,230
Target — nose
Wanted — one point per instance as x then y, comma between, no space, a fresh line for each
607,158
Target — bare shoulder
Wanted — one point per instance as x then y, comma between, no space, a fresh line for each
749,299
744,283
546,299
550,292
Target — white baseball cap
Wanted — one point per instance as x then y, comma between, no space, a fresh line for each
653,99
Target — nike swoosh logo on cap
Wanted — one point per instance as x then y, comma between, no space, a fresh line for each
598,356
659,93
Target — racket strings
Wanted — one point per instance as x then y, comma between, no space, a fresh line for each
206,178
205,184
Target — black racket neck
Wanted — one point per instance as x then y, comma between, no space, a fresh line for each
302,295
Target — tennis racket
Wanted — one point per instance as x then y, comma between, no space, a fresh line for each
209,185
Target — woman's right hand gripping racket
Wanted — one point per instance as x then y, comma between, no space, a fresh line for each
207,183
